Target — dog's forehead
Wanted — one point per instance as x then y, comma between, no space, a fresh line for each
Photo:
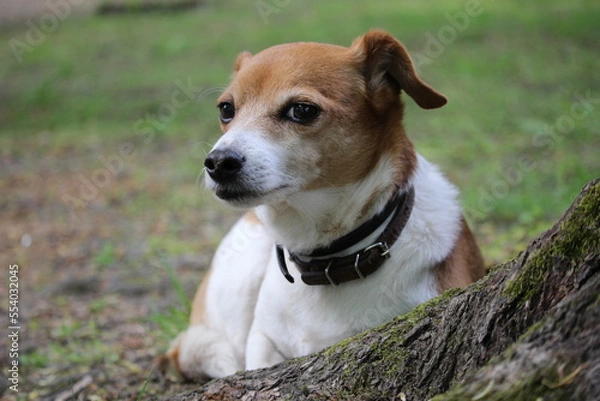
315,65
302,52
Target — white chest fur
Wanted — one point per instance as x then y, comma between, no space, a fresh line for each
300,319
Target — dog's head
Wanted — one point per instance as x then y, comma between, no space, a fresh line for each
304,116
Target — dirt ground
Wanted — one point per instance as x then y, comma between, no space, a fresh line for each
86,289
89,283
85,312
19,11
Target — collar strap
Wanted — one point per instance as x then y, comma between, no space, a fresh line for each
362,232
336,270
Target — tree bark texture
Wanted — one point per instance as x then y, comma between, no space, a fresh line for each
529,330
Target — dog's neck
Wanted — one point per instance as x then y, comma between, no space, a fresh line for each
312,219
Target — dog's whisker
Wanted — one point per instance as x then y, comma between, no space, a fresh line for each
200,177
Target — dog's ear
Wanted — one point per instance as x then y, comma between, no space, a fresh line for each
240,60
387,63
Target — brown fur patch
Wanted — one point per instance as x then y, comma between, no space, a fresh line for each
251,217
464,265
240,60
388,65
170,360
198,304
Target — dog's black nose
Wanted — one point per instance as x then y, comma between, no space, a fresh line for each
223,165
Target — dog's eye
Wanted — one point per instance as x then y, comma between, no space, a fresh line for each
302,112
227,112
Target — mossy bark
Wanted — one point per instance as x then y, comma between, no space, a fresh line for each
528,330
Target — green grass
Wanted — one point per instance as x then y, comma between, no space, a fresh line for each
511,73
106,257
515,136
176,318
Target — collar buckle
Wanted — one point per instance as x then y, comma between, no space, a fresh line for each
385,253
385,249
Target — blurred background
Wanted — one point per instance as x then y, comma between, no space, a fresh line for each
107,109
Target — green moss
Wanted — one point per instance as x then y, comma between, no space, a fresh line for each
386,340
576,237
426,309
543,384
526,285
357,374
409,320
532,329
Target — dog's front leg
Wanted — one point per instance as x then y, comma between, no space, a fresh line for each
261,351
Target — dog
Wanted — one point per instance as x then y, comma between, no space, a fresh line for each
348,226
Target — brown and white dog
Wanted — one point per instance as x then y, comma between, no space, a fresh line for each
314,142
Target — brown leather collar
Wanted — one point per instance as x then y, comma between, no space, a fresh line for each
336,270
